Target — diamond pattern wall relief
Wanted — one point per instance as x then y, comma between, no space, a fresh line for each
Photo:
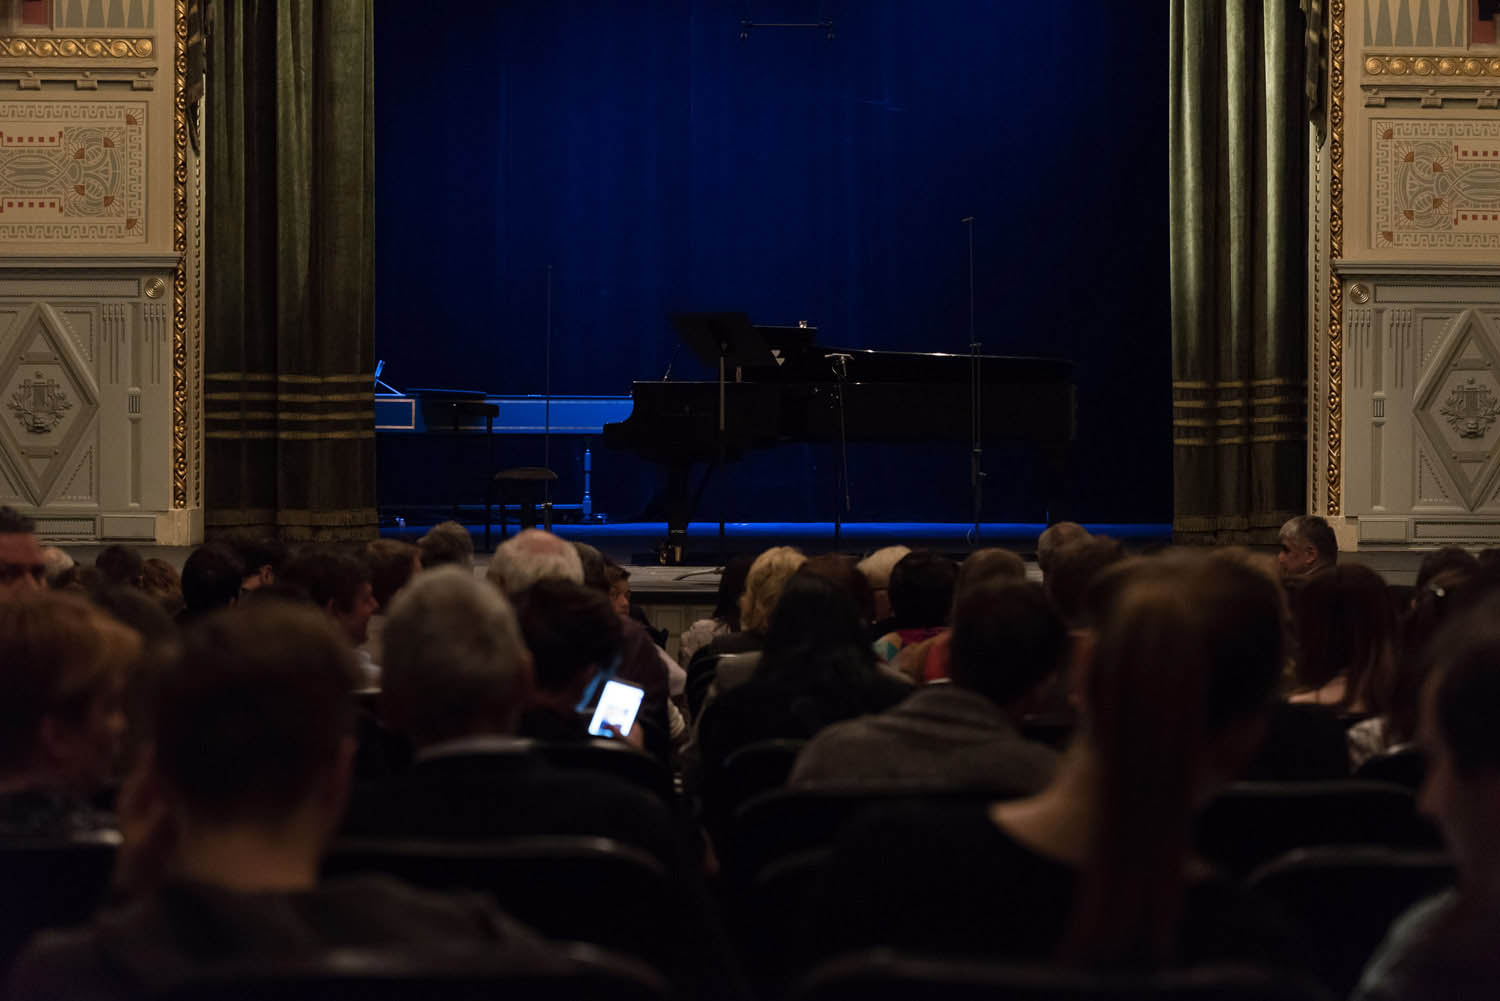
1458,408
48,401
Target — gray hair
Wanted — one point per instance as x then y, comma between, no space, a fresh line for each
454,660
530,556
878,565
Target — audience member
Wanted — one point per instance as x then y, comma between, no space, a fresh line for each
1308,545
1346,638
392,565
532,555
877,570
921,592
619,587
844,571
573,633
927,660
1095,870
447,542
61,716
726,614
1006,641
261,556
339,584
816,668
1445,947
227,816
1439,560
1073,567
163,583
1053,538
212,577
121,565
57,562
22,565
764,582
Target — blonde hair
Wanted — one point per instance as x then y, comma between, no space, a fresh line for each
764,583
878,565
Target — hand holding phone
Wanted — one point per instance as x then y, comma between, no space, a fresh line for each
616,712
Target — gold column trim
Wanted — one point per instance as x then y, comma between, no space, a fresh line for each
1450,64
1335,251
76,48
179,246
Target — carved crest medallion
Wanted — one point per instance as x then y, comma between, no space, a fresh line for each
39,404
1471,409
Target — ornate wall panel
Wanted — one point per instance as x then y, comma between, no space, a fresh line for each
73,170
1436,184
96,431
1422,396
1416,23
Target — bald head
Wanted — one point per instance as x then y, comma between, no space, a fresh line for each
530,556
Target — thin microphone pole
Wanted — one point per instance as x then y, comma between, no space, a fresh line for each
976,399
547,407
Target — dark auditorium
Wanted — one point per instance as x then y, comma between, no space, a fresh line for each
750,500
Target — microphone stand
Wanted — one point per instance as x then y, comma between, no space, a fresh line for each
976,402
547,411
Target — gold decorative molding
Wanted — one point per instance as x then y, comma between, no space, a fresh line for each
1335,251
179,246
1448,64
50,47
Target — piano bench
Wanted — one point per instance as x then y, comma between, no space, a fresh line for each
525,485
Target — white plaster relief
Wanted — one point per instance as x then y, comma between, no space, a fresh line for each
81,485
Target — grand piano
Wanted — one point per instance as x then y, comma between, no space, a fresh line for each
809,393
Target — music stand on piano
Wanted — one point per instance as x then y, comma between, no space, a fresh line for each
718,340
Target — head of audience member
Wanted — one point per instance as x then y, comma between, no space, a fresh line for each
764,582
79,579
731,588
816,640
1053,538
138,610
22,565
1446,598
249,747
1007,641
1439,560
261,556
1183,670
455,662
594,564
1489,561
921,589
1462,743
1307,546
447,543
212,577
392,564
877,570
1074,568
1346,629
61,693
58,562
842,570
988,564
619,587
161,581
573,632
121,565
339,584
532,555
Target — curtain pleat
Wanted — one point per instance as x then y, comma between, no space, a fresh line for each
290,334
1238,225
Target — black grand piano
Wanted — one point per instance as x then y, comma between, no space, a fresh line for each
803,392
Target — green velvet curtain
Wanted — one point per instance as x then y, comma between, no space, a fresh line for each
289,336
1238,205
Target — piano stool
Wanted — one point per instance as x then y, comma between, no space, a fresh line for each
527,485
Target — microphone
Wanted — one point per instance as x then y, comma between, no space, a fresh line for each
667,375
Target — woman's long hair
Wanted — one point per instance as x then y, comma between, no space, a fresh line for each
1346,626
1187,646
817,642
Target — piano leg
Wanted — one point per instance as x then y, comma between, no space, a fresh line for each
679,503
1055,482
